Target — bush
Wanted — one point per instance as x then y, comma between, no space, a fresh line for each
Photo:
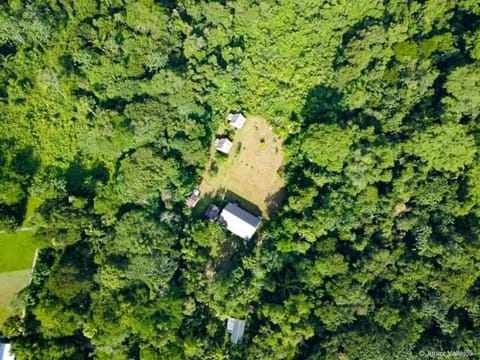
213,170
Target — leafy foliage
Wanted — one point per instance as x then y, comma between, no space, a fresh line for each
108,112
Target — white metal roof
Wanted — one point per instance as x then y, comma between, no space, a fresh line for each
224,145
237,120
5,352
230,324
236,327
239,222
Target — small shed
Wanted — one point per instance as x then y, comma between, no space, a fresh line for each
212,212
236,328
5,353
223,145
237,120
193,199
239,221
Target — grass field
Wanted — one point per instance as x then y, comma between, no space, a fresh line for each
16,251
10,284
250,173
16,256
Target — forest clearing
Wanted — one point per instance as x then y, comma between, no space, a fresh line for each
10,284
363,161
250,174
17,251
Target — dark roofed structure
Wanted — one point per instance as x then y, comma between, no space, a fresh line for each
212,212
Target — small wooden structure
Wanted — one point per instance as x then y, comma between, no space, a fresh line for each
223,145
236,328
237,120
193,199
212,212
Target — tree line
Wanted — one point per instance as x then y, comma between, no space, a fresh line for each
108,110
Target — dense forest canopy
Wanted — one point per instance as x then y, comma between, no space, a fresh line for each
108,111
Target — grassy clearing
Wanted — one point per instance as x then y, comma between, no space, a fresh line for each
10,284
16,256
16,251
249,174
32,205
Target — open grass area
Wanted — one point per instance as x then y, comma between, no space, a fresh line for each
32,205
16,251
249,174
10,284
16,256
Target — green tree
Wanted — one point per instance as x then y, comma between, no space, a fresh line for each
444,147
327,145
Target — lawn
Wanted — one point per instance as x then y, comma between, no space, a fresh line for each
16,251
10,284
16,256
250,173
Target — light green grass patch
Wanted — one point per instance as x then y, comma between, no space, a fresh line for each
250,174
10,284
32,205
16,251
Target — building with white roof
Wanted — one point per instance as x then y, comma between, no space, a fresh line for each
236,328
239,221
223,145
5,353
237,120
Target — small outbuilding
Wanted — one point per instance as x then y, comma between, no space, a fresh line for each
236,328
193,199
212,212
5,353
223,145
239,221
237,120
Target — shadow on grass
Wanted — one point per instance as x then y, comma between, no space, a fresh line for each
205,200
273,201
223,196
252,208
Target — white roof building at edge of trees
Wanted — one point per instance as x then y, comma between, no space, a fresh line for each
237,120
223,145
239,221
5,353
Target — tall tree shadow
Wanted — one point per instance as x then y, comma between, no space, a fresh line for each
17,168
25,162
324,105
244,203
273,201
82,179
